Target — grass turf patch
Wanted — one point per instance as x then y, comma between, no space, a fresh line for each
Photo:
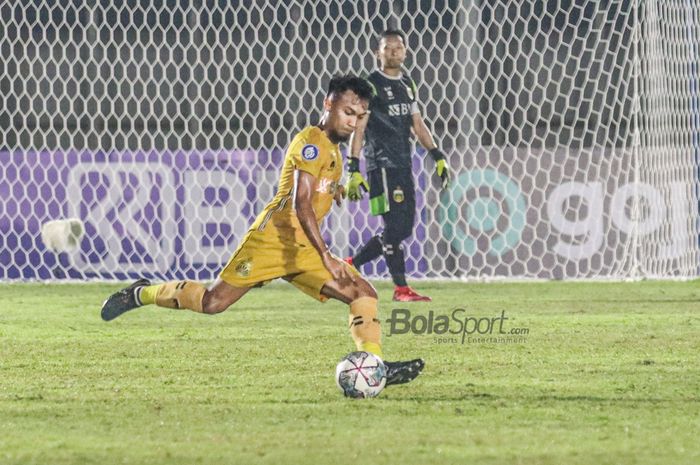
607,373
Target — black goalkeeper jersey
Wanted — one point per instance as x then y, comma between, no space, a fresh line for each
388,141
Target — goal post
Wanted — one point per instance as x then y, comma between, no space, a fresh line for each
572,129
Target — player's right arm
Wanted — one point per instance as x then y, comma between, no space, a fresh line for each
356,182
358,137
306,184
357,185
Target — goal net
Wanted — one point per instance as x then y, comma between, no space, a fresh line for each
572,130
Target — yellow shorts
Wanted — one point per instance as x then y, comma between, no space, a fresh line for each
262,257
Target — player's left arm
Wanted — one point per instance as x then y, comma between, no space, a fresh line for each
425,138
303,196
356,182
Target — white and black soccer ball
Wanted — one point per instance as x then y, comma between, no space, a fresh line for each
360,375
62,235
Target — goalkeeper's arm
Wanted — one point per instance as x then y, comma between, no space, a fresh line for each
426,140
356,185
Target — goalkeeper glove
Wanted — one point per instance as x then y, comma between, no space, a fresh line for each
441,167
356,183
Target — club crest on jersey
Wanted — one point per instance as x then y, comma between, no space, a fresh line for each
243,268
389,93
398,194
309,152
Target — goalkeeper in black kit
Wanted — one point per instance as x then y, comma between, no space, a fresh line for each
388,147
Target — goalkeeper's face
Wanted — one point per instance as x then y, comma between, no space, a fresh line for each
391,52
343,113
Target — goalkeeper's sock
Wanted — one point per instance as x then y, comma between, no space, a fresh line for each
399,280
364,325
174,294
371,250
393,254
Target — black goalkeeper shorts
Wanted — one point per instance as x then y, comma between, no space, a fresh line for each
401,192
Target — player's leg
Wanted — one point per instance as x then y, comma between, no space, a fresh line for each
368,252
235,280
373,248
172,294
398,223
220,296
365,326
193,296
364,322
398,226
360,295
188,295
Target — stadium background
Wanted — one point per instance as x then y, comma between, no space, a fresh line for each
572,128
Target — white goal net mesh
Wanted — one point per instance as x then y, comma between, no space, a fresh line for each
572,129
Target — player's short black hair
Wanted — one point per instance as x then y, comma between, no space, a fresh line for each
390,33
341,83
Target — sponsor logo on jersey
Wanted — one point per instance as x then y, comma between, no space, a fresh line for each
399,109
309,152
327,186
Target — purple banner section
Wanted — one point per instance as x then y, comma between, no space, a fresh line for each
155,215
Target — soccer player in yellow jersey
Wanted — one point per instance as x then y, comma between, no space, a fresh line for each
285,240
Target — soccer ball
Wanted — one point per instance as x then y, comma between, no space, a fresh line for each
62,235
360,375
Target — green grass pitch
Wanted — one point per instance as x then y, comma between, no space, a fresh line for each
608,373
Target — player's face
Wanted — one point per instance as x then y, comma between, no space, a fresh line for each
391,52
345,111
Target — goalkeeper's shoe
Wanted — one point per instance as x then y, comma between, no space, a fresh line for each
406,294
122,301
403,372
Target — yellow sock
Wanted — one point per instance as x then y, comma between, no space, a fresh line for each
364,325
174,294
372,348
148,294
